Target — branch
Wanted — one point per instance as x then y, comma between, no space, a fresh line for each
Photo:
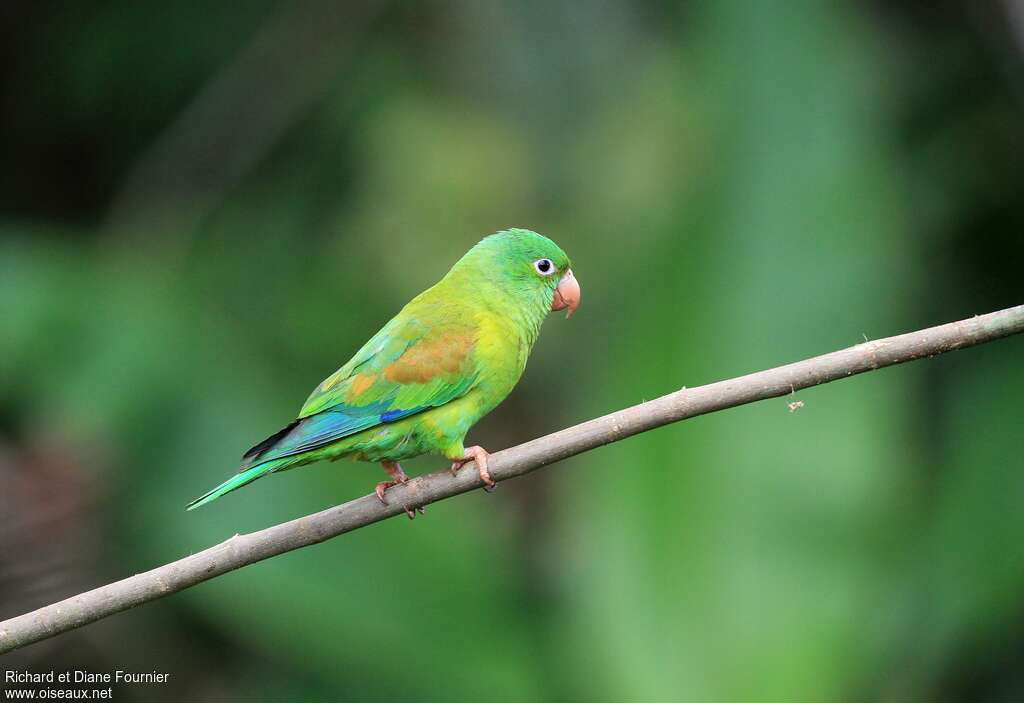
242,550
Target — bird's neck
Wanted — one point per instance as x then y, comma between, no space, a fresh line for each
520,309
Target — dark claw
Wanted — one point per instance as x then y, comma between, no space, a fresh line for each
411,512
380,488
383,486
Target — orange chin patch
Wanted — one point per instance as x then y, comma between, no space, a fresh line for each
426,360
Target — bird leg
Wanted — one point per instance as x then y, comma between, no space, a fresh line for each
479,456
397,476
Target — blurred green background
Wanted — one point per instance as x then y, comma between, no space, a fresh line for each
205,208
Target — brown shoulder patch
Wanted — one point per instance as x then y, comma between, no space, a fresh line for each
360,384
426,360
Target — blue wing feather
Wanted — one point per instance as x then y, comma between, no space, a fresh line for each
323,428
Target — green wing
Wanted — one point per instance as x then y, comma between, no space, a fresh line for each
406,368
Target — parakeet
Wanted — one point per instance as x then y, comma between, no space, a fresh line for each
444,361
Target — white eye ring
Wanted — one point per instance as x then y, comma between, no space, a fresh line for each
544,267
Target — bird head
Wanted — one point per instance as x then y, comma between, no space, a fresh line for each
527,266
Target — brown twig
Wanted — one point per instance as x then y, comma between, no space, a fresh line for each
242,550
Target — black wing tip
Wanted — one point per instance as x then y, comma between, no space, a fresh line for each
270,441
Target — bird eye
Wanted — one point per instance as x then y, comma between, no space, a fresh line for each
544,267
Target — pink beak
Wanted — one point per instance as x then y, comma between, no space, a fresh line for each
567,294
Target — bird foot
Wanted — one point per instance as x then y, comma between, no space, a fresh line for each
398,477
478,455
383,486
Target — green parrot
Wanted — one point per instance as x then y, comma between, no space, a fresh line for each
447,359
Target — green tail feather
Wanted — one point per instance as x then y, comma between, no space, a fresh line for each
237,481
